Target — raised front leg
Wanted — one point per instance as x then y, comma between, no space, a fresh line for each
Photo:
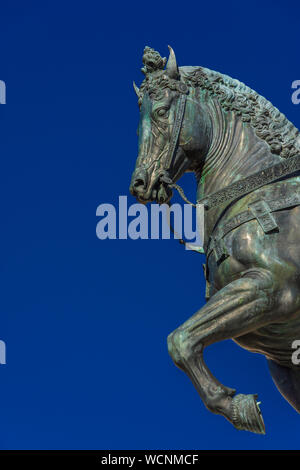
242,306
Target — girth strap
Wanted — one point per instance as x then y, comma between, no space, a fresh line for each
259,210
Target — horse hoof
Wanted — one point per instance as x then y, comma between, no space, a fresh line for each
246,414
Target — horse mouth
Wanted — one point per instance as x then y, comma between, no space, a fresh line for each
160,193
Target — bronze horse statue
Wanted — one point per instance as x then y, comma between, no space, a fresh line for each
245,156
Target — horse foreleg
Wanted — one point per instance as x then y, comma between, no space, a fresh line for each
240,307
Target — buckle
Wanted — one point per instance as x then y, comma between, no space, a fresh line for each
262,212
219,249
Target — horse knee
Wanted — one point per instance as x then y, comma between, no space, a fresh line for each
178,346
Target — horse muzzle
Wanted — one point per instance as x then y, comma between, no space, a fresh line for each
139,182
158,189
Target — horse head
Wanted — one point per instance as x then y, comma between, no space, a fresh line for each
173,131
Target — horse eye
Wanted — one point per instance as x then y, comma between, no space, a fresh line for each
162,112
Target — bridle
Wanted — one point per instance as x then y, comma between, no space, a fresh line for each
173,145
180,109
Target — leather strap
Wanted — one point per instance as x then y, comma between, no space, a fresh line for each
215,241
176,130
247,185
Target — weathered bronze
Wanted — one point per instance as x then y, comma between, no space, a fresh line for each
245,155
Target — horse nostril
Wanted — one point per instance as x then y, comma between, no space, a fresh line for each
137,186
139,182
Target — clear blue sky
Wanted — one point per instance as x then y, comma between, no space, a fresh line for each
85,321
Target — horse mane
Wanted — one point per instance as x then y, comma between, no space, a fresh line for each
267,121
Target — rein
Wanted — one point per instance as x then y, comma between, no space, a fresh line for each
164,178
244,186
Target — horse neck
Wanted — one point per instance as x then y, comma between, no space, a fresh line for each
235,152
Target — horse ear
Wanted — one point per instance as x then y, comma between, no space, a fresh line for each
171,68
136,89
